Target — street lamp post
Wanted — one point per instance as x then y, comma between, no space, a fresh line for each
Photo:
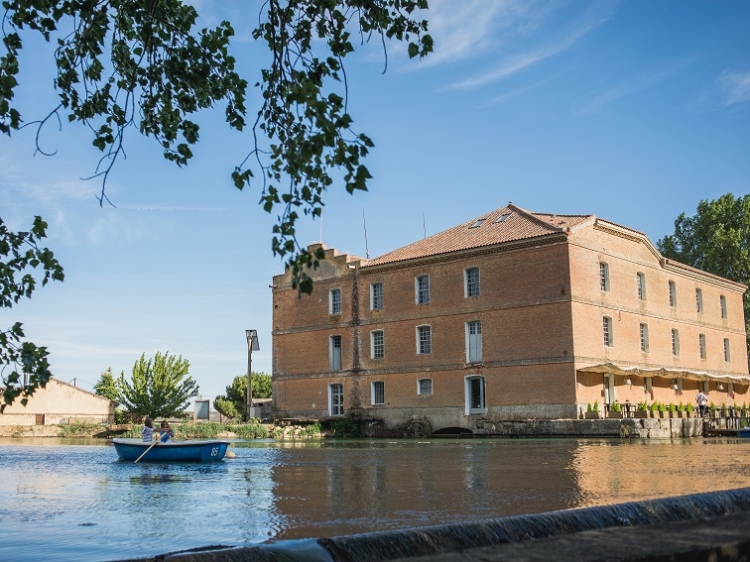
252,345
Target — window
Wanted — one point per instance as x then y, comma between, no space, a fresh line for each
474,390
644,338
377,344
723,304
473,341
335,353
424,340
699,300
336,400
376,296
377,392
607,327
727,356
422,285
471,282
603,276
502,218
676,343
424,387
334,301
478,223
640,281
702,345
672,294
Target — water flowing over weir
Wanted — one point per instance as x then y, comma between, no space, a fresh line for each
435,540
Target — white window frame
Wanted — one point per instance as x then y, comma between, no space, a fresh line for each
422,289
377,391
699,300
427,348
672,294
644,337
608,331
336,400
702,345
334,302
473,330
723,306
640,284
727,351
333,355
469,388
604,276
377,349
471,285
420,390
675,342
376,300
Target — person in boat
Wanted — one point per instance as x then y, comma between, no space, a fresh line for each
148,430
166,432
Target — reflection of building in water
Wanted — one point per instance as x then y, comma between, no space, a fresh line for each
511,315
351,489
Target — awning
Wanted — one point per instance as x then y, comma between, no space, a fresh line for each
665,372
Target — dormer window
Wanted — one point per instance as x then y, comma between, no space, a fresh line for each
502,218
478,223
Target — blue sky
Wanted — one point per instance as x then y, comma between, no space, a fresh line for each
633,111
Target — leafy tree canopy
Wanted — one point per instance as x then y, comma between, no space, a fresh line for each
159,387
234,404
143,65
20,258
716,239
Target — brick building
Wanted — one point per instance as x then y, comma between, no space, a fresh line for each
511,315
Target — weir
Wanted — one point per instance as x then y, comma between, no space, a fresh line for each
669,514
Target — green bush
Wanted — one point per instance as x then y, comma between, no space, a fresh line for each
252,430
616,407
642,407
77,429
344,428
313,429
596,406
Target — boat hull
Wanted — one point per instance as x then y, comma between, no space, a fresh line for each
191,450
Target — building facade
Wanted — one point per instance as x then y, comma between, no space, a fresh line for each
512,315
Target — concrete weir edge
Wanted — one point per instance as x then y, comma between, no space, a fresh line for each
708,526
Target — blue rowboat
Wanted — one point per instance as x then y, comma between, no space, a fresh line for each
190,450
743,432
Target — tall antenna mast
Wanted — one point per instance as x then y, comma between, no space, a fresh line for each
364,225
321,227
424,225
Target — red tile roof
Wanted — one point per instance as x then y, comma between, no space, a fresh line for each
518,224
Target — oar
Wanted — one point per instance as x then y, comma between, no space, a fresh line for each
146,451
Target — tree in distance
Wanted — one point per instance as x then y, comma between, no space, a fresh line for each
717,240
159,387
234,404
142,65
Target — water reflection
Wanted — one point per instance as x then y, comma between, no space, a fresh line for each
65,500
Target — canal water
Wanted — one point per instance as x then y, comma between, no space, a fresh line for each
63,499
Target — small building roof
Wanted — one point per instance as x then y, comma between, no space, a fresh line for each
506,224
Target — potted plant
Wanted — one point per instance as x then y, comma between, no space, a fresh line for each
662,410
672,410
592,412
689,411
641,410
615,410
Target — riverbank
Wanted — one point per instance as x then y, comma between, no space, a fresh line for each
643,428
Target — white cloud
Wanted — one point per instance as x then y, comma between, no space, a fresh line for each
735,86
589,20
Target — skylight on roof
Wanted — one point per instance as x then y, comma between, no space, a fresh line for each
502,218
477,224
